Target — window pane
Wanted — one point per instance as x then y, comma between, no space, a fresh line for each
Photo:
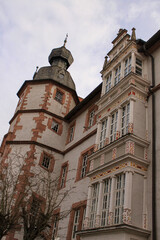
127,64
55,226
91,118
64,172
46,161
108,83
75,223
84,166
94,201
125,119
113,126
106,202
119,198
55,126
103,133
59,96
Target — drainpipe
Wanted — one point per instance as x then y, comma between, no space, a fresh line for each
154,227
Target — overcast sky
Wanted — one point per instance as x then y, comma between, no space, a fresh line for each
30,29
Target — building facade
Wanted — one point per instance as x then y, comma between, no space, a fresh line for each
106,145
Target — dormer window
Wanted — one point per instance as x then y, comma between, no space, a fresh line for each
138,66
117,74
108,82
127,65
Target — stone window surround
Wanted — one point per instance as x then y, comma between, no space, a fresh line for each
88,152
36,197
55,227
72,126
64,166
57,89
91,109
78,205
59,122
51,164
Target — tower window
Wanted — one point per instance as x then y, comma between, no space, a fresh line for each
55,126
46,161
59,96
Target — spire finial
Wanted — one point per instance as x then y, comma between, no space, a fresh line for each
65,40
133,36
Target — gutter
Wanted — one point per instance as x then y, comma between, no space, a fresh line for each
151,93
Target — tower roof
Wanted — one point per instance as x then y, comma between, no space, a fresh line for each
61,53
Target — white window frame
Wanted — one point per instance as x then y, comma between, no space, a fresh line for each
103,133
94,202
125,119
117,75
106,202
108,82
119,198
127,65
113,129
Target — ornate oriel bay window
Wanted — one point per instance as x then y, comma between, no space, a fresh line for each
116,124
109,201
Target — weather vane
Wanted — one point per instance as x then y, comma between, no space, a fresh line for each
65,40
